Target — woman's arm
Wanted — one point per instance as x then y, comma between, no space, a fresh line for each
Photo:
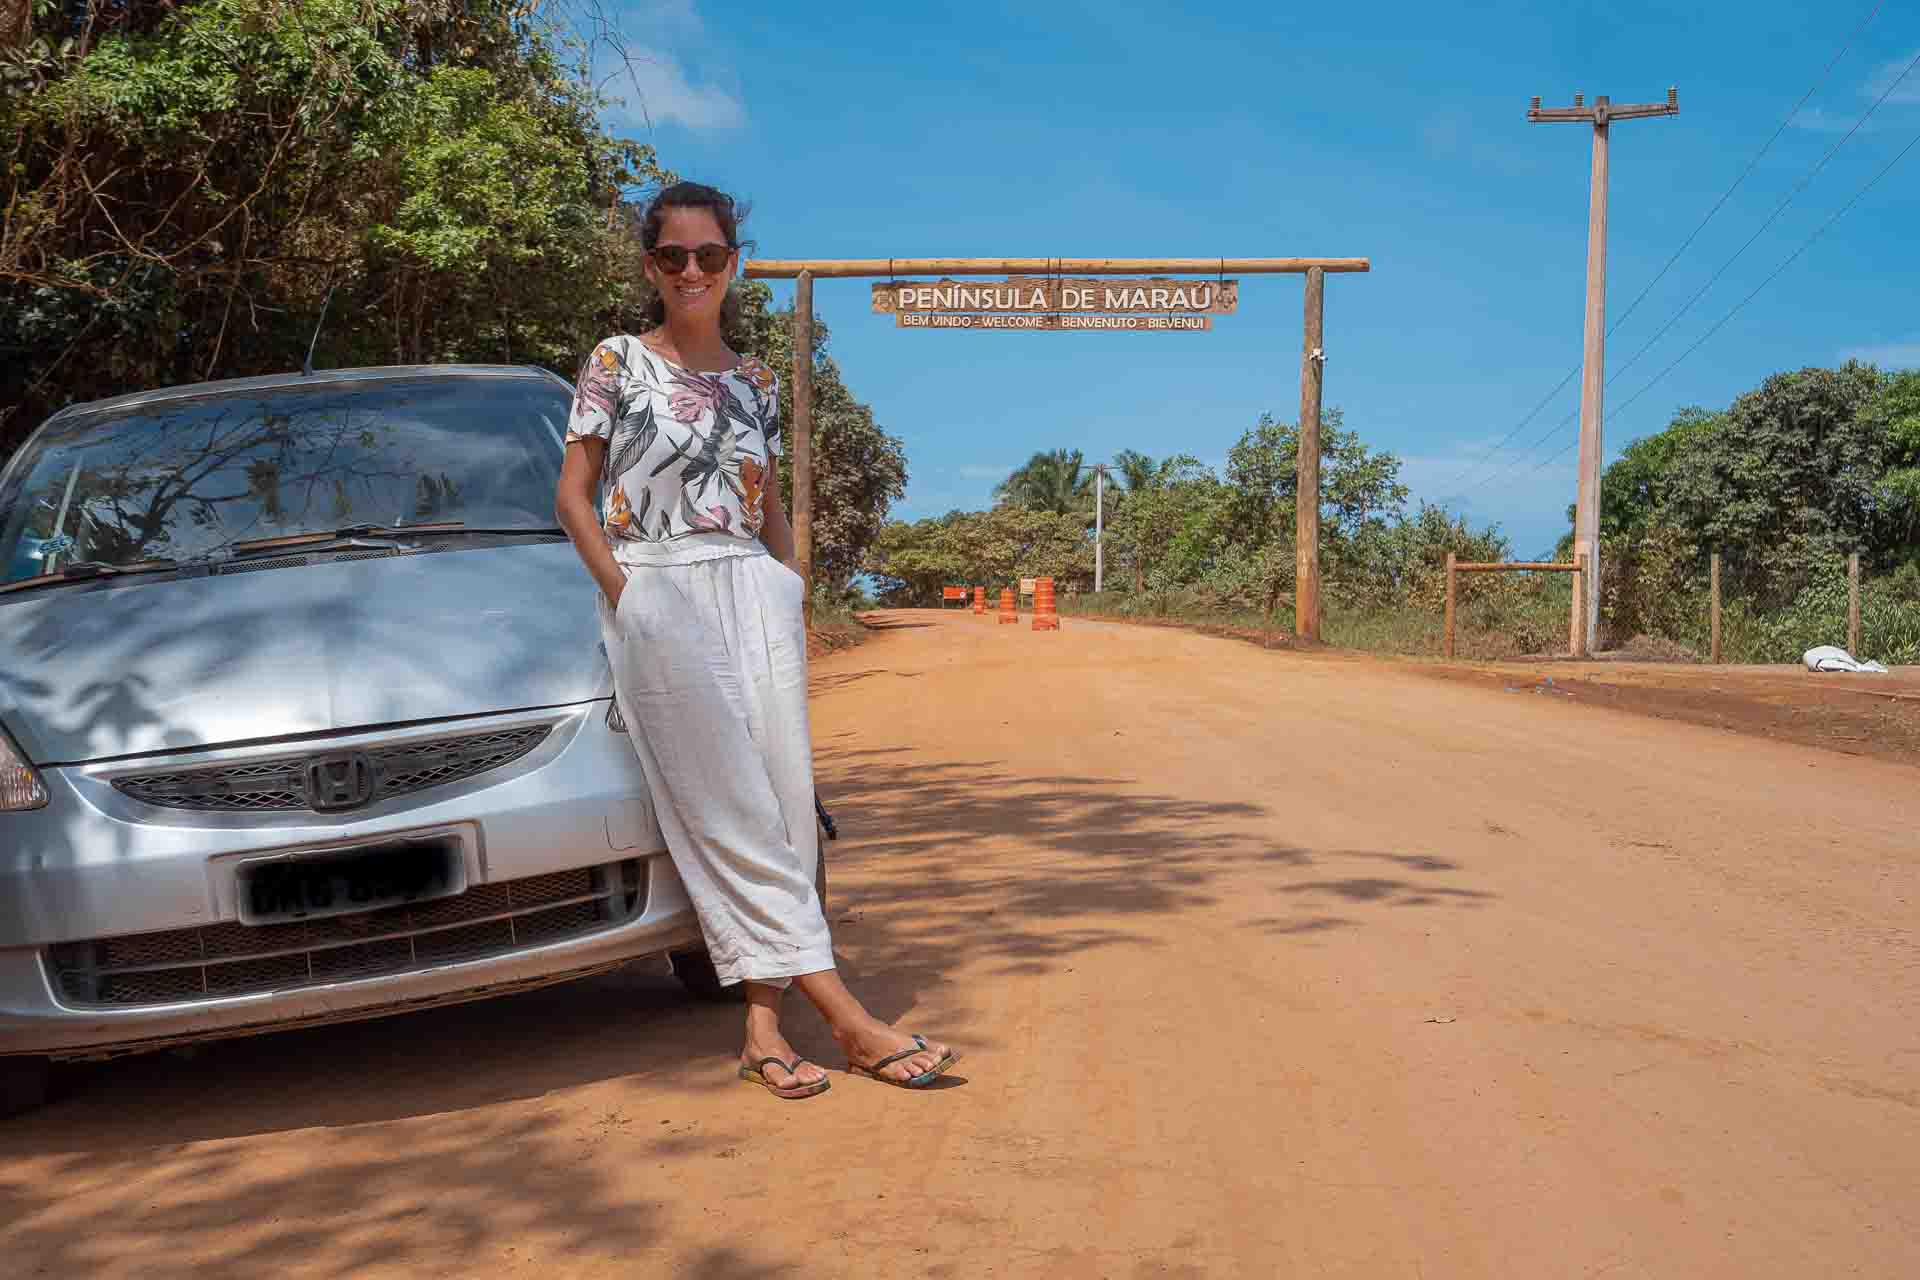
573,506
776,531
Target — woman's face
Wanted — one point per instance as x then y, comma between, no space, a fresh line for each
691,292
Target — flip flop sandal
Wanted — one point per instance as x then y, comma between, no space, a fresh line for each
920,1081
754,1075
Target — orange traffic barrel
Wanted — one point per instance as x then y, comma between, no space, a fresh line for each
1007,612
1045,614
979,601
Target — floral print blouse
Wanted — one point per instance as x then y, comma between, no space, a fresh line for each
687,452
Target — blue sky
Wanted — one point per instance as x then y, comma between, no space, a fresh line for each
1396,132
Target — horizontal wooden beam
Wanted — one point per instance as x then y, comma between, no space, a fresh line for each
886,268
1537,566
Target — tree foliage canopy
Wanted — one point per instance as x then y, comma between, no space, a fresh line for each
1785,482
189,183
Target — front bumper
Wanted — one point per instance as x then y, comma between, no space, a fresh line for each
98,864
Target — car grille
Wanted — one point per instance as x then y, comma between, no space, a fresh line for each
280,783
237,959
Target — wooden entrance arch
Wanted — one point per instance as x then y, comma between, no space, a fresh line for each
1306,613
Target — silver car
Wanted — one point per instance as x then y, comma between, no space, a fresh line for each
304,717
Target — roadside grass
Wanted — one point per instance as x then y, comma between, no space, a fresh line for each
1485,630
835,626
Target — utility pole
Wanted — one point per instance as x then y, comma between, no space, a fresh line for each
1585,624
803,437
1099,526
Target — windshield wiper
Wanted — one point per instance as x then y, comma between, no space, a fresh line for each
252,545
387,533
87,570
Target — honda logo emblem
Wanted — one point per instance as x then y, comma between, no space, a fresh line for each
339,782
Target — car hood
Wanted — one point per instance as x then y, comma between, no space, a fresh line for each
150,665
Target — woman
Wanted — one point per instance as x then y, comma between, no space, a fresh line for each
676,436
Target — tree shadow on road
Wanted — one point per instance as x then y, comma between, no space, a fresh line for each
964,859
941,865
148,1165
413,1197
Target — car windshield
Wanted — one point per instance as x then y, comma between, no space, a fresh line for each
186,478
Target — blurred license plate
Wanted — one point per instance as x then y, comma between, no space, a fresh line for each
348,880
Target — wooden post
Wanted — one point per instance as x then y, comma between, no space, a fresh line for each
803,434
1853,604
889,268
1446,646
1306,503
1714,576
1582,588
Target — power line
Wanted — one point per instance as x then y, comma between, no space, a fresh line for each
1778,210
1790,260
1738,306
1771,218
1757,157
1684,244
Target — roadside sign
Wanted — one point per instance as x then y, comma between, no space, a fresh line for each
1041,295
1049,304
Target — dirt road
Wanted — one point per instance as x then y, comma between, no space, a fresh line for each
1264,964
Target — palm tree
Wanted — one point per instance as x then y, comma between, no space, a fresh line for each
1137,471
1056,481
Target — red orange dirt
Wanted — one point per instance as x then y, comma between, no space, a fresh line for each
1264,964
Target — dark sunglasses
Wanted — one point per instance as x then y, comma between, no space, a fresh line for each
711,257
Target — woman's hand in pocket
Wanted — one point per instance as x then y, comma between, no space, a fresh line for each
613,588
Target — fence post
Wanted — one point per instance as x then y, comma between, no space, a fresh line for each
1447,634
1853,603
1581,585
1716,607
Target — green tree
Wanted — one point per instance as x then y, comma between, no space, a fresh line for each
991,548
1894,416
1357,485
186,185
1783,482
1057,481
1160,530
1136,470
859,470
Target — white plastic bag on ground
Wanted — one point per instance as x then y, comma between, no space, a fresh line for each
1830,657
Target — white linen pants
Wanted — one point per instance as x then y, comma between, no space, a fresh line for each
709,654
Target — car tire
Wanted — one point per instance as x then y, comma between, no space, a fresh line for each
23,1084
695,968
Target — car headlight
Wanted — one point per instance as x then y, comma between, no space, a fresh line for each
20,786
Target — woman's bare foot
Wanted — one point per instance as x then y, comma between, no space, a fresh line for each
861,1036
868,1040
765,1041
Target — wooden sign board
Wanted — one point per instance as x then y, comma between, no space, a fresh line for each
1054,323
1042,295
1027,585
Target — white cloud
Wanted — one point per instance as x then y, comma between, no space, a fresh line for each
1908,94
1905,92
1820,120
638,61
1888,355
